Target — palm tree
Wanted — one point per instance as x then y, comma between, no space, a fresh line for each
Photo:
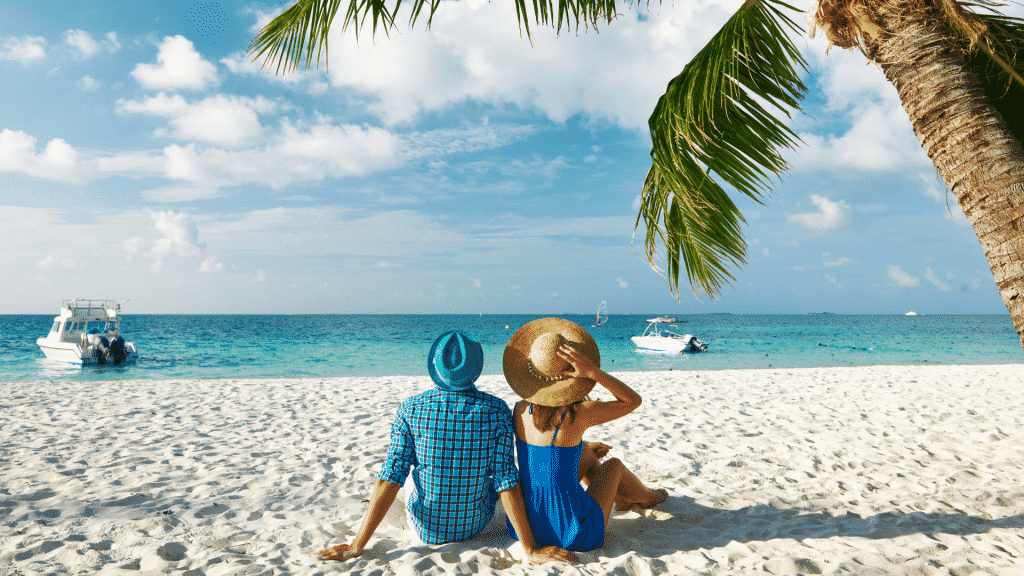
953,63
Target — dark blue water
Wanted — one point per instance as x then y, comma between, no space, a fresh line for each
256,346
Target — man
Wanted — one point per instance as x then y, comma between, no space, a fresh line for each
458,443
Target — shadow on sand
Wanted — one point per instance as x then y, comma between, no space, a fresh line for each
692,525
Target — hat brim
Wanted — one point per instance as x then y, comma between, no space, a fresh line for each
530,387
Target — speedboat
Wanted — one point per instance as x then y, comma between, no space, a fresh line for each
660,336
88,332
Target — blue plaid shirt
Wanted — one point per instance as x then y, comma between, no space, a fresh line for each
459,446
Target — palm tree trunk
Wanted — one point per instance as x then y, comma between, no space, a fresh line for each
978,157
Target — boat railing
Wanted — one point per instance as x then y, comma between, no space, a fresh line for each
99,309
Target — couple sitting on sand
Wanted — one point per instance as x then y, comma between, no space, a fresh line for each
458,442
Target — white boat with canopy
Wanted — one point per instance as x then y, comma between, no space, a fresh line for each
88,332
661,336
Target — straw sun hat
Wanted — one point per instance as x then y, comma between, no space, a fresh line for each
534,370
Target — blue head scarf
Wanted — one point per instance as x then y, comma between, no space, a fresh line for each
455,361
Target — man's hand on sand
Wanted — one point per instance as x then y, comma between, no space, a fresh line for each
551,554
341,552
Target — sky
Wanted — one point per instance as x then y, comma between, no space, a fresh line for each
458,170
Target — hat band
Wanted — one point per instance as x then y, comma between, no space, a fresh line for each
529,366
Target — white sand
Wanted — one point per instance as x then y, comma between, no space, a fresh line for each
883,470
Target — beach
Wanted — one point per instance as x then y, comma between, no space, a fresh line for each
862,470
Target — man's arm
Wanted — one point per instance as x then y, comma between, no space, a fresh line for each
512,500
383,496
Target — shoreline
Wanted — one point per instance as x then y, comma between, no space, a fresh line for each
884,469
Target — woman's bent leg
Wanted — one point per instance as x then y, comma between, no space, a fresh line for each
630,490
605,485
589,463
633,492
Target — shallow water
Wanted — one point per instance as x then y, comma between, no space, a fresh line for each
260,346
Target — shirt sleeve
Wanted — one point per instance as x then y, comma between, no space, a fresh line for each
401,452
505,473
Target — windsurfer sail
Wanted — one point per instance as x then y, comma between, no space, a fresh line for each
602,314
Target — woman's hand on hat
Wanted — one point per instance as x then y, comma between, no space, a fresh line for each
583,367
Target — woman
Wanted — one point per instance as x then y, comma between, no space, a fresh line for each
553,364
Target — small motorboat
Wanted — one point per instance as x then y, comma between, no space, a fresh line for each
660,336
664,320
88,332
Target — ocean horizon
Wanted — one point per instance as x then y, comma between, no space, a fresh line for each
190,346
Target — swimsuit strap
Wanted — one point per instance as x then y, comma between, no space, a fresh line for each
557,427
530,409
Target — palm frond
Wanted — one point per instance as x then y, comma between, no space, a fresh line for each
301,31
995,52
711,120
296,33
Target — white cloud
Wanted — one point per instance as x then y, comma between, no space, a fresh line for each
622,283
89,83
833,280
179,66
314,80
131,247
171,194
537,168
211,265
179,236
846,78
936,281
57,161
841,261
950,207
880,137
220,119
474,51
517,227
295,154
86,46
830,214
444,141
476,283
931,189
26,49
112,43
330,150
82,41
901,278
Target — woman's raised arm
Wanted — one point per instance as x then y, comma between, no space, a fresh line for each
594,413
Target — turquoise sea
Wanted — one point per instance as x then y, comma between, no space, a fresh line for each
291,346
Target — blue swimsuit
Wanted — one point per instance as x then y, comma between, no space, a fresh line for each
560,511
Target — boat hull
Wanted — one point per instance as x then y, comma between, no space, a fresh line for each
61,351
71,352
660,344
